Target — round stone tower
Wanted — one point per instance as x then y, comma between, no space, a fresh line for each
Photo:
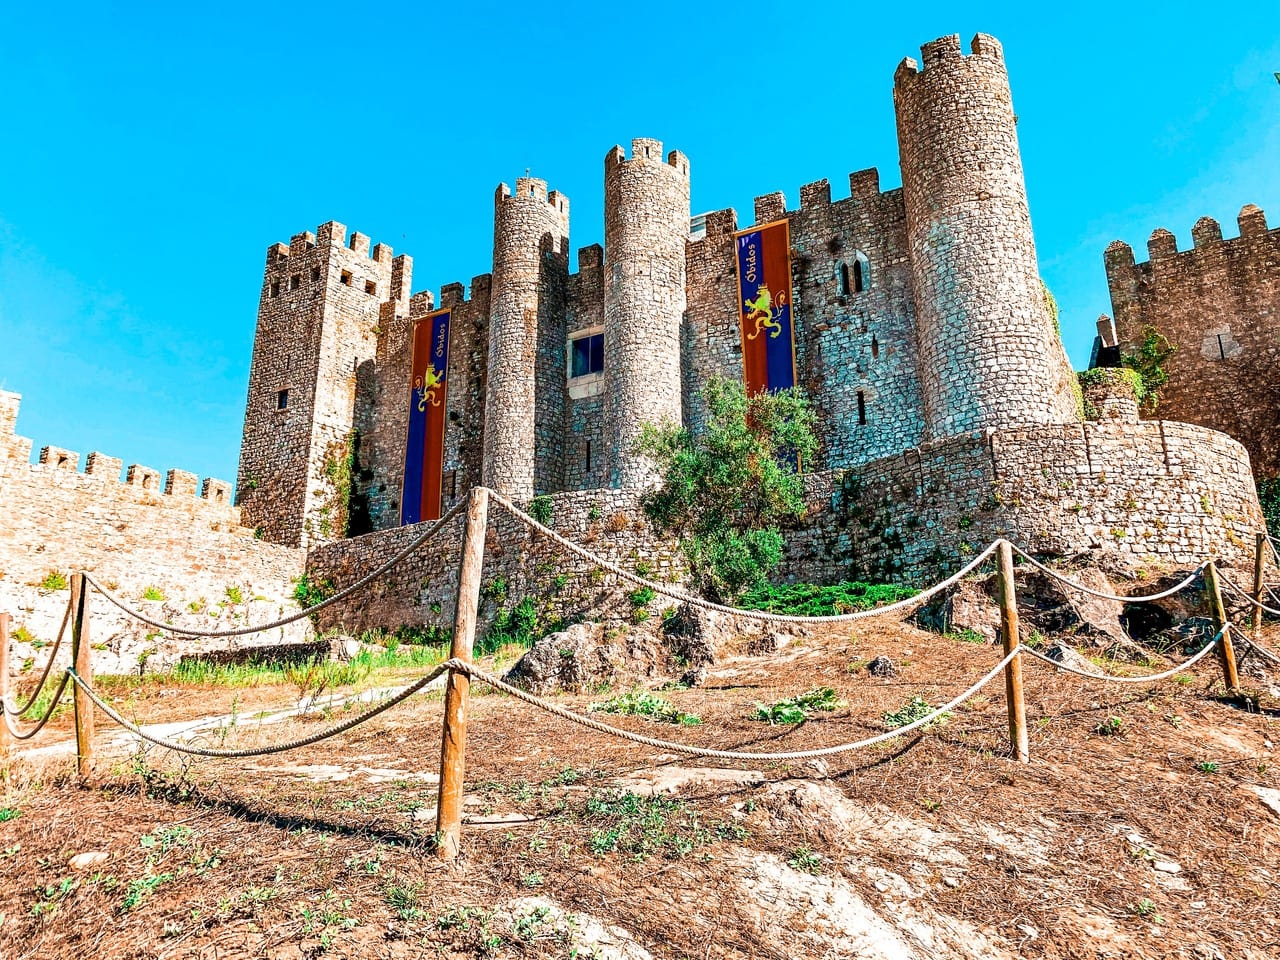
530,255
989,352
646,202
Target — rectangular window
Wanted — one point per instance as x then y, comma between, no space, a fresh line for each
345,278
315,274
588,356
282,399
370,287
295,281
275,288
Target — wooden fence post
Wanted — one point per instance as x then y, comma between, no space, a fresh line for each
81,654
1226,652
453,747
6,742
1259,568
1019,743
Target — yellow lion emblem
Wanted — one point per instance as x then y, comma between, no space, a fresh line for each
426,391
762,311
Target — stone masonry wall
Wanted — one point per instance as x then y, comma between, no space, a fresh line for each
646,231
855,318
989,353
1153,494
421,591
131,534
1219,305
317,323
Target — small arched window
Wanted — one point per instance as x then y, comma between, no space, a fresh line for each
875,347
862,409
842,278
861,272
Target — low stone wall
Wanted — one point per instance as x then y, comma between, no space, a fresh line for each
421,590
141,532
1123,495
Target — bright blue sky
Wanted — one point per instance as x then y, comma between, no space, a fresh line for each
153,152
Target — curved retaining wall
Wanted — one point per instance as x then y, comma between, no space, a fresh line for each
1149,494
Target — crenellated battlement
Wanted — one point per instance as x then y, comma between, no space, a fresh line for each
328,236
646,150
456,294
532,189
1207,241
815,197
945,54
100,480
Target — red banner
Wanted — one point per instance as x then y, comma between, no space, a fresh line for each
764,304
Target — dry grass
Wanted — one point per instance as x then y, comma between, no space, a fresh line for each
260,859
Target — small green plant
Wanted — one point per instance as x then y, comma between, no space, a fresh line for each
1207,766
642,597
234,594
1110,727
806,861
1147,361
642,703
307,592
809,600
51,895
140,888
54,580
798,709
403,899
541,509
9,813
643,826
532,880
152,593
967,635
1146,909
917,708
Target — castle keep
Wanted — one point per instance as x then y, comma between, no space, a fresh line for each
919,314
948,414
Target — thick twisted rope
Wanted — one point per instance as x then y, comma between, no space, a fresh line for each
1244,595
338,597
1112,678
762,615
1110,596
674,747
462,666
48,667
324,734
53,705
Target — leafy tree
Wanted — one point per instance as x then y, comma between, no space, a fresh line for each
726,490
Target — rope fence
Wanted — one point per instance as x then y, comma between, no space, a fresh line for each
460,671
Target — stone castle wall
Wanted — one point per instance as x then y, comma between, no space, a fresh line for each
1218,303
421,591
134,534
1151,495
318,321
989,353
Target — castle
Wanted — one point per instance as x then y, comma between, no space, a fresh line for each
918,314
913,318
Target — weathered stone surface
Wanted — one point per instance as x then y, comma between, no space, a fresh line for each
1218,304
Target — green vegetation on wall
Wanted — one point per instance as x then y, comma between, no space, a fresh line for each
1148,362
726,491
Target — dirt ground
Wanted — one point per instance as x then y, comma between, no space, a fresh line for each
1146,825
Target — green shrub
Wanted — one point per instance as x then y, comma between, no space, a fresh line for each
1148,362
541,508
726,491
798,708
152,593
642,703
306,592
54,580
521,625
808,600
917,708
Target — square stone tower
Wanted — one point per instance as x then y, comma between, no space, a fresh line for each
312,365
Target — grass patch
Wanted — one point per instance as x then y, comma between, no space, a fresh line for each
810,600
799,708
917,708
54,580
644,826
152,593
642,703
